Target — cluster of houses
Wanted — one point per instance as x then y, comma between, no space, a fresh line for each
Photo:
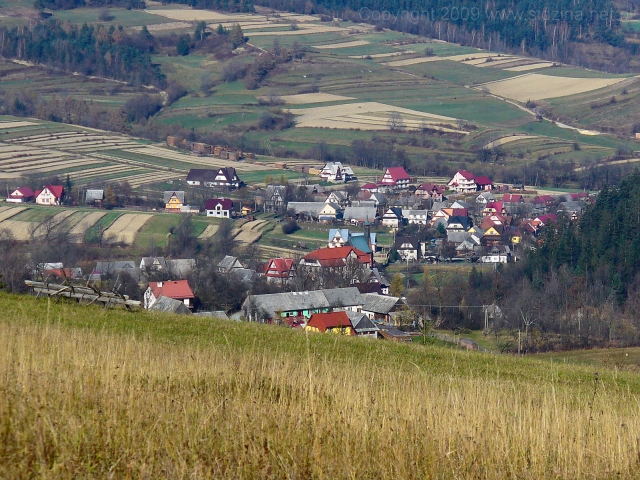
48,195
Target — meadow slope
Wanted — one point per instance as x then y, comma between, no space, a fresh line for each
88,392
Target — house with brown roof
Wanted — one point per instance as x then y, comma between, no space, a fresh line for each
430,190
219,207
176,289
226,177
337,257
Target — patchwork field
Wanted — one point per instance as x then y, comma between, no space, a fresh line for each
303,98
125,228
78,232
533,86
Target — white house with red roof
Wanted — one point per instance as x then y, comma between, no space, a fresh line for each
50,195
395,177
337,257
176,289
280,270
219,207
466,182
21,195
463,182
369,187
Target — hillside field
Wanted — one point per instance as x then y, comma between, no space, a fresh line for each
92,392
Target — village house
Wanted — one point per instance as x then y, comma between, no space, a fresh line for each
395,178
408,248
174,201
50,195
360,215
329,213
225,177
337,323
392,218
497,254
339,198
341,237
338,257
466,182
335,172
201,177
280,270
219,207
494,207
21,195
430,191
362,325
379,307
458,223
228,263
176,289
306,209
301,305
484,198
418,217
273,198
369,187
94,197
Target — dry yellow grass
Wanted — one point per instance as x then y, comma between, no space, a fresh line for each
222,400
9,212
16,124
21,231
509,139
319,97
208,232
80,229
353,43
126,227
531,66
534,86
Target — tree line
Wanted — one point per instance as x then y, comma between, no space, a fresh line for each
91,50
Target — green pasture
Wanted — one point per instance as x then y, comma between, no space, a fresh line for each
36,214
121,16
457,72
155,230
101,225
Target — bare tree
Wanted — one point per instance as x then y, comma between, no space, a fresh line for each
395,122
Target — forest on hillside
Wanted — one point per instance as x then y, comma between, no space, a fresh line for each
557,30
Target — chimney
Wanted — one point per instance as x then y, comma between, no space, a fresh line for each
159,284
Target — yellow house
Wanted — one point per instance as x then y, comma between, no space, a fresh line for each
174,201
337,323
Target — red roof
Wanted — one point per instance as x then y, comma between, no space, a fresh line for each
544,219
322,321
25,192
482,180
497,206
213,202
430,187
579,195
328,257
60,272
398,173
282,267
544,199
178,289
56,190
512,197
369,186
466,174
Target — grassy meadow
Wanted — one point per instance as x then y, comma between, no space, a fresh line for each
89,392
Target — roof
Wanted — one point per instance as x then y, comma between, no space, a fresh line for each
25,192
361,323
391,333
245,275
201,175
166,304
228,262
378,303
462,220
327,257
153,262
323,321
512,197
360,242
343,297
213,202
111,267
177,289
269,304
466,174
229,173
360,213
344,233
398,173
310,208
497,206
482,180
93,194
393,212
369,186
56,190
282,266
168,195
415,243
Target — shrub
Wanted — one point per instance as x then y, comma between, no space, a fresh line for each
290,226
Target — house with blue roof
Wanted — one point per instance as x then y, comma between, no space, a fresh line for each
340,237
